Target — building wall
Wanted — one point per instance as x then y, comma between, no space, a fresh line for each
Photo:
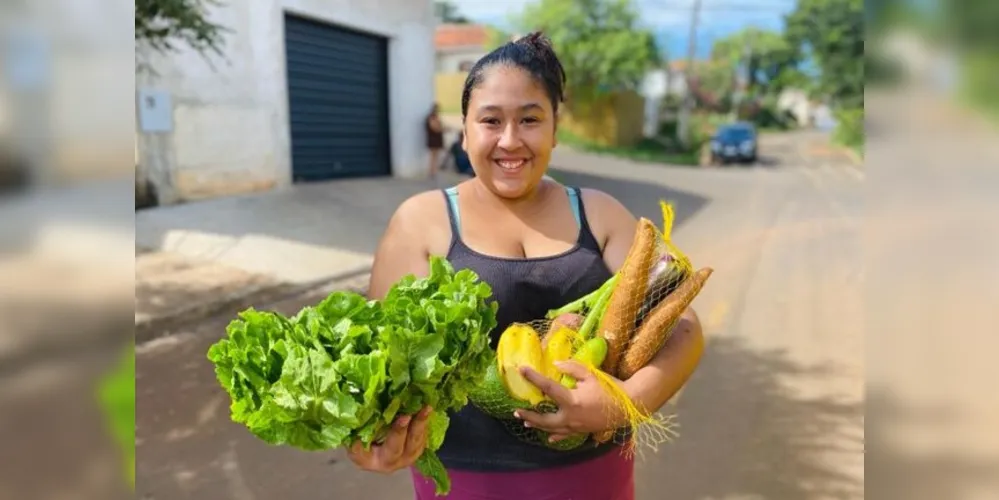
447,89
452,61
230,129
615,119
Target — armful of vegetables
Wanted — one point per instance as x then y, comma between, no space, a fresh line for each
635,311
342,370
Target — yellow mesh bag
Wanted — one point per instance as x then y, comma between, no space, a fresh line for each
614,331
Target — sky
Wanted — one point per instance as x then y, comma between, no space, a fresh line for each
669,19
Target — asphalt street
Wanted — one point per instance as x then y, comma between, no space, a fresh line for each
774,411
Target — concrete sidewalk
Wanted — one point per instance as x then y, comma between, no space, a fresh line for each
302,234
231,253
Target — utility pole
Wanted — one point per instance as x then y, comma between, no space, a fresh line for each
688,101
742,77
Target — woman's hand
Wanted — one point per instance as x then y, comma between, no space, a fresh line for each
402,446
585,409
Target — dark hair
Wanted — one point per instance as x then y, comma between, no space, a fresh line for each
532,53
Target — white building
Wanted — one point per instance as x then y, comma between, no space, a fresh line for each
307,90
655,87
799,104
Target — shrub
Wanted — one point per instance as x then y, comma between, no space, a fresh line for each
850,128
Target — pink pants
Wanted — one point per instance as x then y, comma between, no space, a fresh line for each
609,477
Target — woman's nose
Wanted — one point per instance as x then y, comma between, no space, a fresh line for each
510,138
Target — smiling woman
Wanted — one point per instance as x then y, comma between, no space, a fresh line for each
539,245
510,107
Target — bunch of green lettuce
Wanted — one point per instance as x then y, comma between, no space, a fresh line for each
344,369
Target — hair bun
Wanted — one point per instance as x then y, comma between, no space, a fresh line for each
538,41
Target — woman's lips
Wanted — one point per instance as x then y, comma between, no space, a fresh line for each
511,165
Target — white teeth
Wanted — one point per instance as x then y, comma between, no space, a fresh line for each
511,164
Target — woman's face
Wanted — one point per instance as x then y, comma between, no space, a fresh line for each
509,131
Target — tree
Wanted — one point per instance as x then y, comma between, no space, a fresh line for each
769,60
712,84
162,23
448,12
832,33
599,42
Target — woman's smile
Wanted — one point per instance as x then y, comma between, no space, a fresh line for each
512,165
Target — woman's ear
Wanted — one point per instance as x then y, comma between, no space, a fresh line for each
464,138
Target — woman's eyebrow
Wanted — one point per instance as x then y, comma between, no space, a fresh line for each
531,106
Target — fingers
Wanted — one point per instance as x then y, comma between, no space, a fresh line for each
395,442
556,391
417,435
575,370
553,423
403,444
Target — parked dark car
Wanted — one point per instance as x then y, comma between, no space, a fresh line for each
734,142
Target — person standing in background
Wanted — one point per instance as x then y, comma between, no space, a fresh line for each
435,139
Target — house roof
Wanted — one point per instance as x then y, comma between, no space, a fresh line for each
450,36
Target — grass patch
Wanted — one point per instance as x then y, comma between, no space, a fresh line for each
647,150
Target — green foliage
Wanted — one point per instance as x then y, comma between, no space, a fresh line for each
832,32
343,370
850,128
116,394
713,83
599,42
969,23
448,12
162,23
772,59
768,116
646,150
979,81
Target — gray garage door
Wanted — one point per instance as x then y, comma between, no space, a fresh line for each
338,101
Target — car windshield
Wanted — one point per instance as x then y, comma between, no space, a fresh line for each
735,134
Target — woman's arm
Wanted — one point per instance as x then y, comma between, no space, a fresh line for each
655,384
403,249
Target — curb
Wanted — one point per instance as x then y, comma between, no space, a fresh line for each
164,325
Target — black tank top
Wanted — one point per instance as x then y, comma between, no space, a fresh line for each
526,289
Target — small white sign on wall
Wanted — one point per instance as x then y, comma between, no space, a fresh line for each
155,110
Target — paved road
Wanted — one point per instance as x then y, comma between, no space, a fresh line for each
775,410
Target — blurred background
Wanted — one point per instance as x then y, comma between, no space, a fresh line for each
835,161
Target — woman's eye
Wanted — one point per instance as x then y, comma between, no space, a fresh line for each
531,119
491,121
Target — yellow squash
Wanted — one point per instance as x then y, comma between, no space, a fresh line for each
558,348
520,346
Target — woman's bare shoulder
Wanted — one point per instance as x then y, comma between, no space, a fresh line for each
612,224
415,231
421,220
605,212
420,210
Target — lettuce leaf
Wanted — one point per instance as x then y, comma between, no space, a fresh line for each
342,370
